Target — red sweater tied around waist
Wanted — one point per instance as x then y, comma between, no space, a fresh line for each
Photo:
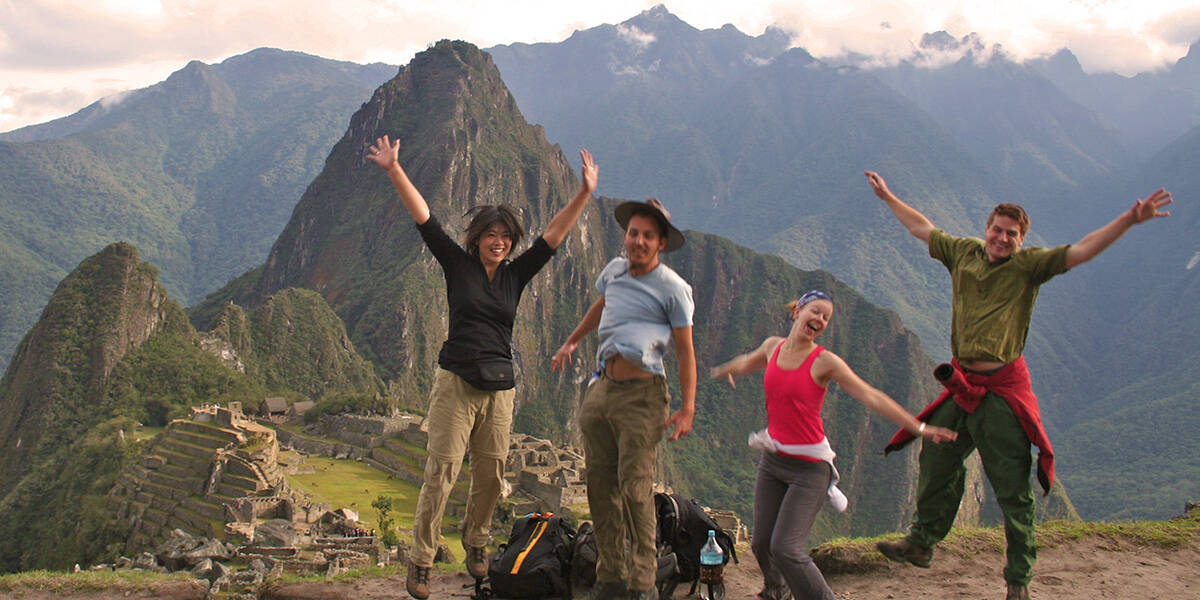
1010,382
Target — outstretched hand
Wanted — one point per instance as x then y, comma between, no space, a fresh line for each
562,357
878,184
589,172
1144,210
384,153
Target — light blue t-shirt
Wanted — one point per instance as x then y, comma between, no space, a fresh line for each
639,313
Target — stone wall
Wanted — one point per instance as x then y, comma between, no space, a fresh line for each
317,447
191,472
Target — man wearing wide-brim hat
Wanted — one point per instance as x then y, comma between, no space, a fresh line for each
644,306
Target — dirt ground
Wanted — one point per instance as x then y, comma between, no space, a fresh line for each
1087,569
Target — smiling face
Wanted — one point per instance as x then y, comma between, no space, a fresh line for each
644,239
1003,237
495,243
811,320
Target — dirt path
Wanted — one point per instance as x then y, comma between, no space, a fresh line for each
1069,568
1087,569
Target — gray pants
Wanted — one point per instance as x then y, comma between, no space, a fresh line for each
787,497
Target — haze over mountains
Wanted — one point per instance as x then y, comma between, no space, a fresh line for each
742,137
746,138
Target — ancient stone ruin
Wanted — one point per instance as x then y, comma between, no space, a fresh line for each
210,488
551,475
216,476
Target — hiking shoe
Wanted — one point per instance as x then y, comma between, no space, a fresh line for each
774,593
476,561
1017,592
650,594
608,590
904,551
417,582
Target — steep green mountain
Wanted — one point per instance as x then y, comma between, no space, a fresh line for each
463,142
111,353
200,171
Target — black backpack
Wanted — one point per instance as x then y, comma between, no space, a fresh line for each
683,528
535,563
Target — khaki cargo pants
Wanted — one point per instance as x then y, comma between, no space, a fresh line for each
461,417
622,423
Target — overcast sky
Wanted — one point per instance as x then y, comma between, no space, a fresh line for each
57,56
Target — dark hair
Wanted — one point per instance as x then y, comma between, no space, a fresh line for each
654,215
1013,212
488,215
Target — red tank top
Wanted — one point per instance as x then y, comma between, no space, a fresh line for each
794,402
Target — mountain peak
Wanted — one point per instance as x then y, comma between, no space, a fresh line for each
658,19
463,143
111,303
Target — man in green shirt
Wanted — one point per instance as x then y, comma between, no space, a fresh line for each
995,284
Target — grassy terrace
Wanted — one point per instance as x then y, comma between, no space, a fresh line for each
355,485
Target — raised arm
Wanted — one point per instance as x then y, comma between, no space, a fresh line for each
833,367
686,355
385,153
565,219
589,323
912,220
754,360
1097,241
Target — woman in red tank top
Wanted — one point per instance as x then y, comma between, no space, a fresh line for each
796,472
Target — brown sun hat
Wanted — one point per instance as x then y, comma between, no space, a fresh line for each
625,211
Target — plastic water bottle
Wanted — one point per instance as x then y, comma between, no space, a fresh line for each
712,563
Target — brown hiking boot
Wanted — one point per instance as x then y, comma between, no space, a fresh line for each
904,551
476,561
608,590
1017,592
417,582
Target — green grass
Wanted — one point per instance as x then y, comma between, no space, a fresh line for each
355,485
86,581
144,433
846,555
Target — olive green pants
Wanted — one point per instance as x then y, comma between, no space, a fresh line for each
622,423
461,417
1004,451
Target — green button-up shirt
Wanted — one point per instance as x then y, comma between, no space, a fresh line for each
993,303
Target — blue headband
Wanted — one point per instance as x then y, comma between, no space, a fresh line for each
813,295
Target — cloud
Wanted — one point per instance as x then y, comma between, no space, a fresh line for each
635,37
1124,36
67,46
1180,27
22,106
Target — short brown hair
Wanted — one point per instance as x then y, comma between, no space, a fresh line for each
1012,211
